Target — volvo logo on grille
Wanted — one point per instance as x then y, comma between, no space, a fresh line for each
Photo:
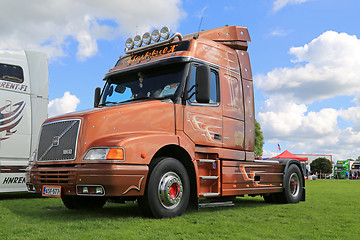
56,141
67,151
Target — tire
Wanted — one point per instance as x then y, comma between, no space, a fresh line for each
168,190
293,186
81,202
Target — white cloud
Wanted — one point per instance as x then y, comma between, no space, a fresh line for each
279,4
48,25
66,104
278,32
331,69
325,68
289,121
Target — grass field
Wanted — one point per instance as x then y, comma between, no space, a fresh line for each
331,211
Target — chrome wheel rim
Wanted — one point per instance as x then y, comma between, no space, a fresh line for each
294,183
170,190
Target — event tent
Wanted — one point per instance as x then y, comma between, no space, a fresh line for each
288,155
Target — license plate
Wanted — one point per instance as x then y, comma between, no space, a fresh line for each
51,191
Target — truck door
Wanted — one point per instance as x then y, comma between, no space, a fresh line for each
15,123
203,122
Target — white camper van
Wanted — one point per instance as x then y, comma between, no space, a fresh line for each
24,100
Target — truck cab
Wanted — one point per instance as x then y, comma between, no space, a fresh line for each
173,124
23,108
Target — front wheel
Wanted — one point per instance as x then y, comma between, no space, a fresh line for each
168,191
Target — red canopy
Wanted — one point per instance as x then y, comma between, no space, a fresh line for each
288,155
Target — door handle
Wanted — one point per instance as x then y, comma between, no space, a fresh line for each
217,136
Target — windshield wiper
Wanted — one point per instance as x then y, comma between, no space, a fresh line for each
145,98
103,104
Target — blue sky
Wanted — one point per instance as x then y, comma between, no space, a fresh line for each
305,57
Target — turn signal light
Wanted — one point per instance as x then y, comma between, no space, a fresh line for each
115,154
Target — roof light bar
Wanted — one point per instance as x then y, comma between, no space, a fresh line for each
147,40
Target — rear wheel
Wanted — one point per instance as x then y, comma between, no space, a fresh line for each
81,202
293,188
293,185
168,190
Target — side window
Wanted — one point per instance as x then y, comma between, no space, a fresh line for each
11,73
214,86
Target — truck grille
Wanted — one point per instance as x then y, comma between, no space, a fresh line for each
58,141
55,177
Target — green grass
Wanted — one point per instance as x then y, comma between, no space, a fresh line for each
331,211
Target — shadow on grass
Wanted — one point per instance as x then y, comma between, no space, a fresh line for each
21,195
53,210
48,211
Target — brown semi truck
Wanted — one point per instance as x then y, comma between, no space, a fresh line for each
172,126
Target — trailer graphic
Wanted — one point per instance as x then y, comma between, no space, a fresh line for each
8,121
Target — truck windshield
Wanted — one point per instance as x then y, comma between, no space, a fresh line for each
153,83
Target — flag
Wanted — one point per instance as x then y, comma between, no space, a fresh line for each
279,147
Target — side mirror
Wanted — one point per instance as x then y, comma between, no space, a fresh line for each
97,97
203,84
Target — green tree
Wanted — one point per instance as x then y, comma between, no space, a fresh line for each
358,159
259,140
322,165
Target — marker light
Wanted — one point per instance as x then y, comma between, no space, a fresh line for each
146,38
137,40
165,33
155,35
129,44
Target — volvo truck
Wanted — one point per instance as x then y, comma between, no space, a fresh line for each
173,127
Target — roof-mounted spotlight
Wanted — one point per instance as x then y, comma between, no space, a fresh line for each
129,44
147,41
155,35
165,33
137,41
146,38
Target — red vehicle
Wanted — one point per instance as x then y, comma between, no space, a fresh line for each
174,124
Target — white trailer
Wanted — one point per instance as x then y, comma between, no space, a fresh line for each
24,97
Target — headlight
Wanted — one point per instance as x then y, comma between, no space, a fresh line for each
99,154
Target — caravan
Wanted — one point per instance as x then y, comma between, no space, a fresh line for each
23,107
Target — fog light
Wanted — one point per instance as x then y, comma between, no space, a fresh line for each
146,39
137,40
85,190
155,35
165,33
99,190
129,43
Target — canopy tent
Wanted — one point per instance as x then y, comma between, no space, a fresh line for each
288,155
